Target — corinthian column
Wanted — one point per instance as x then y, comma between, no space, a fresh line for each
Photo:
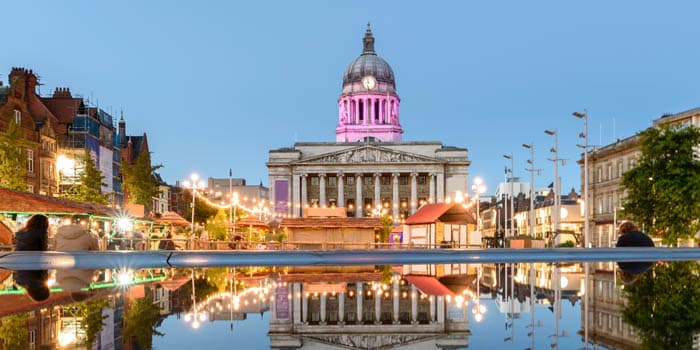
341,190
377,190
304,200
432,188
395,196
414,192
322,190
358,195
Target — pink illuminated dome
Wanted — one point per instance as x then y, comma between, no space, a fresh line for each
368,107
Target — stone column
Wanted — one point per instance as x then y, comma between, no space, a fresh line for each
341,308
323,308
395,195
296,178
304,200
441,309
377,190
378,306
296,305
414,304
341,190
359,295
304,307
414,192
432,188
358,195
440,188
371,110
395,298
366,108
432,308
322,190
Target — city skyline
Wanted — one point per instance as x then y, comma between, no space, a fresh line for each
216,88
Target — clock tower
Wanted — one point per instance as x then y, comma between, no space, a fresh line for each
368,106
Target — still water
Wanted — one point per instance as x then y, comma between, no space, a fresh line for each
448,306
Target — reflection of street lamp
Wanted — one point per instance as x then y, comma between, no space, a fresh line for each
193,186
478,187
478,309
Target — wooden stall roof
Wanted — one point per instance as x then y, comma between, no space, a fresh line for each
171,218
444,212
331,222
250,221
22,202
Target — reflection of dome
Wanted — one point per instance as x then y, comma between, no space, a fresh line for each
368,64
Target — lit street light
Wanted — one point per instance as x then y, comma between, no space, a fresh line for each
584,136
478,187
512,201
532,170
194,185
556,213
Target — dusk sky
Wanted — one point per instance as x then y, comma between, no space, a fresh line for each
218,84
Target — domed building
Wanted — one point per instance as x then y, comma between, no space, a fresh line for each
369,169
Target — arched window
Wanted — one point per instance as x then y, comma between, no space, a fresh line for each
361,114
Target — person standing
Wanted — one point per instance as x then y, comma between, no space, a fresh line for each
33,237
73,236
167,243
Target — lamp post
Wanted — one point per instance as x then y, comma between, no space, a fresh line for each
230,195
193,185
557,196
234,202
531,161
584,136
478,187
510,189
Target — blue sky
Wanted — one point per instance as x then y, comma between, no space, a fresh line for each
217,84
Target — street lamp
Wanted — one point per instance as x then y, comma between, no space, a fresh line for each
478,187
584,136
557,196
532,170
512,201
234,202
193,185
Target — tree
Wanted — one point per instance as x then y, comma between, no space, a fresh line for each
663,190
217,226
13,163
90,313
202,211
385,231
13,331
662,305
90,187
141,319
140,181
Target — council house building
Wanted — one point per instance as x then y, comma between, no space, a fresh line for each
369,168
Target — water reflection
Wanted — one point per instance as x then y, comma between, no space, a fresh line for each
526,305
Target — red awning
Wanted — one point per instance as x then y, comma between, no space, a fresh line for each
428,285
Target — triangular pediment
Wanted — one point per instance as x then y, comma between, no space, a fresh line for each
369,341
368,154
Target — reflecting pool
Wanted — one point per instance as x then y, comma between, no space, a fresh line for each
445,306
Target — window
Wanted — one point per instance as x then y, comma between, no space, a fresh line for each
610,203
619,169
30,188
314,181
386,180
18,117
403,180
350,180
610,176
631,163
30,160
332,181
599,174
32,339
350,204
421,180
599,207
368,180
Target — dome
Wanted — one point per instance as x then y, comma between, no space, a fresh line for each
368,64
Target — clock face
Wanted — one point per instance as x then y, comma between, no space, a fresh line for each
369,82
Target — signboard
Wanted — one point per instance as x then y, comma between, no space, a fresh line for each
282,196
282,301
105,166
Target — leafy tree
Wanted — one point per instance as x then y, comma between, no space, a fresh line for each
663,190
13,331
663,305
139,180
13,163
202,211
217,226
90,187
385,231
141,319
90,313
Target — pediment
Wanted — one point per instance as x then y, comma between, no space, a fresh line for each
369,341
368,154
